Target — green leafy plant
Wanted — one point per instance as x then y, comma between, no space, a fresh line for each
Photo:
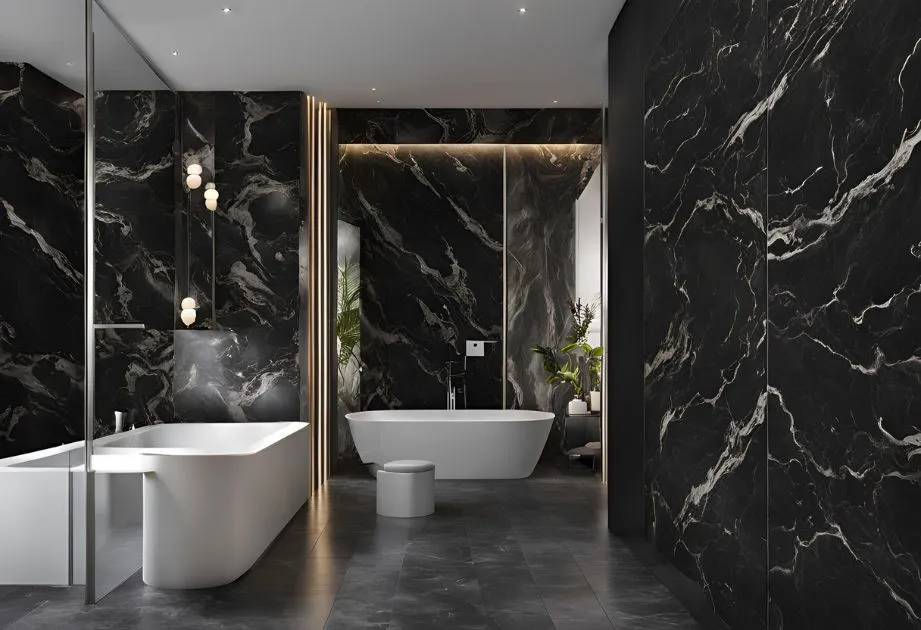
567,368
348,318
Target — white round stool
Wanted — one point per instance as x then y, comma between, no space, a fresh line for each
406,489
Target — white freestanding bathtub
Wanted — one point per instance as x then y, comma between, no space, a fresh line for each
463,444
215,495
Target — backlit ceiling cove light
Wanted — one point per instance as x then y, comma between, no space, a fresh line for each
211,196
193,180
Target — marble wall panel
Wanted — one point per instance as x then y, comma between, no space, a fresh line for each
243,375
469,126
542,186
705,303
431,222
195,223
844,264
135,208
258,169
41,223
134,373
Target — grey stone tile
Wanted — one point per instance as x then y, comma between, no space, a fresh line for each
529,554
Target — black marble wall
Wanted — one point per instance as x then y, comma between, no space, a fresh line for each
135,208
781,255
157,243
245,255
41,219
705,305
134,373
136,258
845,272
431,225
469,126
195,223
250,375
433,193
542,185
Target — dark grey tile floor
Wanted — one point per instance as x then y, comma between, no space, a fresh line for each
530,555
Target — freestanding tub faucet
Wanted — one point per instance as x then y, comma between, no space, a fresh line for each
453,381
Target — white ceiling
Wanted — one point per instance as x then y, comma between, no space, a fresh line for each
50,35
417,53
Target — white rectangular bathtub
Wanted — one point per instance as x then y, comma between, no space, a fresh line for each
463,444
42,527
215,495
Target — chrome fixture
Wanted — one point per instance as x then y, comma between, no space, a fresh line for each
453,380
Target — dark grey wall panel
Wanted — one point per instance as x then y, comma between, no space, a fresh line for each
41,223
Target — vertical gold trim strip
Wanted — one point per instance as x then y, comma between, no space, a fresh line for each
504,277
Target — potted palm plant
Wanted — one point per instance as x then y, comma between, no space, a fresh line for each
577,359
348,332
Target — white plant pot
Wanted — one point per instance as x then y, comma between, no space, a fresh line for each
596,400
577,407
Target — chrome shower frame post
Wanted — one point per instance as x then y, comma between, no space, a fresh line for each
89,304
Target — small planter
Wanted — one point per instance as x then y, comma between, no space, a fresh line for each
577,407
595,401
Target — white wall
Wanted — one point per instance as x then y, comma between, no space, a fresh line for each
588,250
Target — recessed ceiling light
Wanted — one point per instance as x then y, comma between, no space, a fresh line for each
226,10
555,102
522,11
378,100
70,63
374,89
175,53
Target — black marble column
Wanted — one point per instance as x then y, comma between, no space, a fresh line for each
705,302
845,315
41,223
543,183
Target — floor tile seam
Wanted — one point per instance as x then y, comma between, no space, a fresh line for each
479,586
29,613
594,593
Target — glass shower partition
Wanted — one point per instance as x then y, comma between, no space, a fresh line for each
42,144
133,119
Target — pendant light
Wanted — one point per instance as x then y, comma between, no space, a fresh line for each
211,196
188,311
193,180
